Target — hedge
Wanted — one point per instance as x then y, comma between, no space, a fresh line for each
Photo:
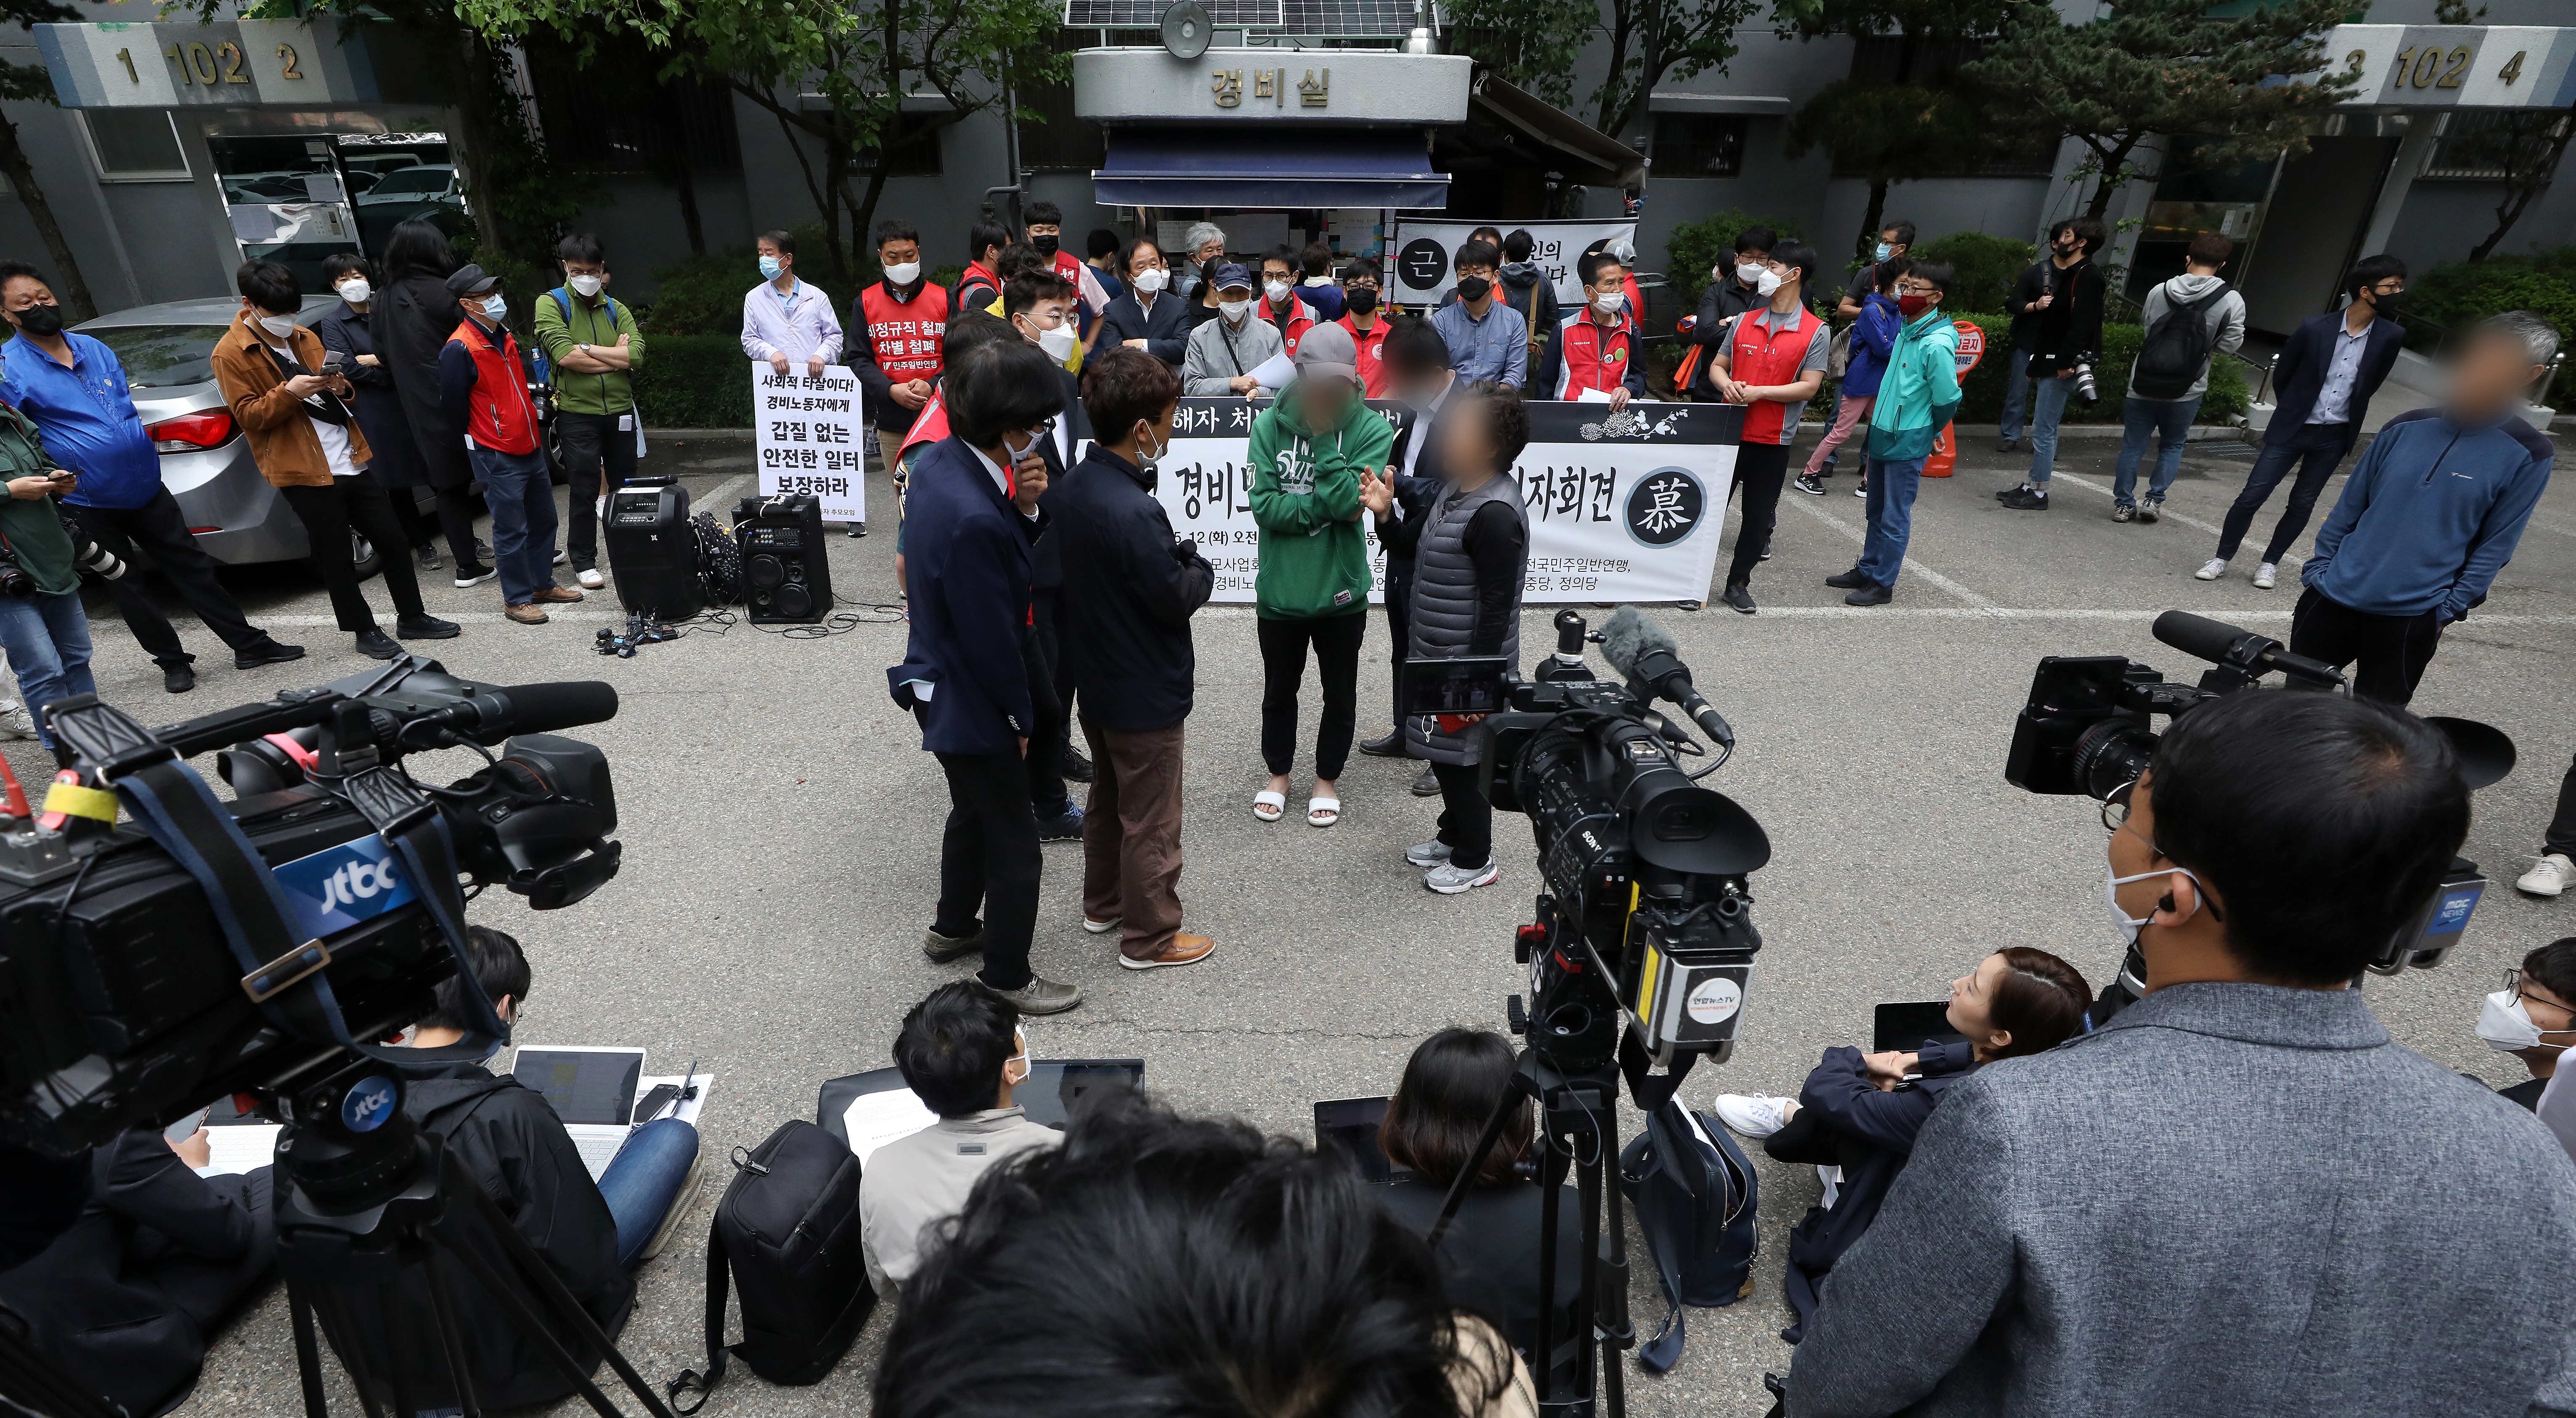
694,381
1982,401
1987,266
2460,296
1695,248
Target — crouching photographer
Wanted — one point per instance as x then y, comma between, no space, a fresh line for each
2239,1194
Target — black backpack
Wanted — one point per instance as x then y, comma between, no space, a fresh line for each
2170,359
787,1232
1694,1193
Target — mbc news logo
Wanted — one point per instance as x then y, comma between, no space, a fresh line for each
338,887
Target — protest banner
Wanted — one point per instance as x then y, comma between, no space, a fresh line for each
1622,507
808,437
1421,274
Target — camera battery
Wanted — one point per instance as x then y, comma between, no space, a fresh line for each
2424,941
1685,1000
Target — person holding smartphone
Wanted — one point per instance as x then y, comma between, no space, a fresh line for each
44,631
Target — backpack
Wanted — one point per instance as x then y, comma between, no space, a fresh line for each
1694,1194
2171,357
788,1233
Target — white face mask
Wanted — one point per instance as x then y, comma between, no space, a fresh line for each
1233,309
1152,280
1149,461
903,273
2121,921
2506,1025
1752,274
495,307
1608,304
586,287
1276,290
1058,343
282,326
1767,282
357,292
1014,455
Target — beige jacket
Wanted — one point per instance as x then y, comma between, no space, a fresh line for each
914,1183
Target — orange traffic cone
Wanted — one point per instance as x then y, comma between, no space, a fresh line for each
1945,453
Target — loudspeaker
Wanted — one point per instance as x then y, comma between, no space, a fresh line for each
786,578
1185,30
653,551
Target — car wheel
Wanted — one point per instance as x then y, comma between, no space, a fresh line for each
363,555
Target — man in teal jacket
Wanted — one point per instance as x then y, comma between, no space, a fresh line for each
1915,401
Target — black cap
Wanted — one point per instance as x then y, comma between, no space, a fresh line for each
470,280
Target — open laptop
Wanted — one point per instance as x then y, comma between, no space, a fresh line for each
868,1110
593,1090
1907,1026
1347,1127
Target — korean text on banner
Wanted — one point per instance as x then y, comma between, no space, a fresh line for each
1421,273
808,435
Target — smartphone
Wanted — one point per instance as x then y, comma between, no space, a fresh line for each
334,363
650,1106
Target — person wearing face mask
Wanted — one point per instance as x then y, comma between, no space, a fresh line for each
311,448
1872,336
1225,351
1773,363
2065,335
1892,245
595,346
1594,350
1040,307
786,322
1361,286
1149,317
1045,232
485,389
1202,252
2533,1017
1488,340
900,322
1130,588
1744,281
349,333
1281,307
2207,1174
1858,1116
1914,398
1529,289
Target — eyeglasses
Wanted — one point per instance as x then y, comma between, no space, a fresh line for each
1359,285
2115,808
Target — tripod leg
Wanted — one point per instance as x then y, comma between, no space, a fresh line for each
450,1339
1511,1101
534,1324
1589,1299
552,1287
308,1355
1617,1332
1543,1347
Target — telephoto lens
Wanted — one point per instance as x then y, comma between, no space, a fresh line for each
2085,387
14,580
97,560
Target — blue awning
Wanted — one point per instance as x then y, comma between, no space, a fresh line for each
1239,165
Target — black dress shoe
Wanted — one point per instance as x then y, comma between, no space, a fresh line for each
943,948
1870,594
1075,765
1741,598
372,641
425,627
1390,746
1850,580
178,679
270,653
1428,785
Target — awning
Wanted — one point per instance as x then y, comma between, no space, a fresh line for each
1236,165
1496,109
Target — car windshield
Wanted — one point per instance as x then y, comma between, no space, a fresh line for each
411,179
161,356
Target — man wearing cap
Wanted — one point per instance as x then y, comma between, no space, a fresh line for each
1225,351
485,391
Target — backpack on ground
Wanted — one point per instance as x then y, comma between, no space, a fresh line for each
787,1235
1694,1194
2175,350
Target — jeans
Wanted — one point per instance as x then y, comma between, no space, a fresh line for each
1826,455
593,447
162,530
1852,413
2316,448
1336,639
2016,392
329,513
1890,514
644,1179
47,639
2170,421
989,862
2047,406
1466,816
521,494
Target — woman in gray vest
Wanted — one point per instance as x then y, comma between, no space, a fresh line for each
1469,549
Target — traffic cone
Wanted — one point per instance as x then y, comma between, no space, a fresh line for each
1945,453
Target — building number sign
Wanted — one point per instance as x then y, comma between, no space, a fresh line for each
1313,91
2433,66
198,63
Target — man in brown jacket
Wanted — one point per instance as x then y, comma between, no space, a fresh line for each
309,446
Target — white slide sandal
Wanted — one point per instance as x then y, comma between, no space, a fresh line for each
1269,806
1323,812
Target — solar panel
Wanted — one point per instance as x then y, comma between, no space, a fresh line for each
1351,18
1147,14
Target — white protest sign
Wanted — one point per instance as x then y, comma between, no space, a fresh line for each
807,434
1421,272
1622,507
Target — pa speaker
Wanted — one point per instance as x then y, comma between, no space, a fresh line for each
786,578
653,551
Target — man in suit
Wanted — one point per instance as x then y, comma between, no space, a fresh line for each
2321,387
2238,1195
1419,376
1040,307
971,532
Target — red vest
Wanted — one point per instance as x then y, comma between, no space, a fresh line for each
1589,359
1301,318
929,424
903,336
505,422
1372,361
1760,355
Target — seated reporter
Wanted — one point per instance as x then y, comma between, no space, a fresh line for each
2239,1195
1159,1265
1468,549
961,1052
1489,1260
2533,1017
1860,1113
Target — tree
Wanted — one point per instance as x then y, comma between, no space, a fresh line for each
2525,144
29,83
1535,44
2147,69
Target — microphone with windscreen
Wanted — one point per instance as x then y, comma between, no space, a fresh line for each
1641,650
2243,655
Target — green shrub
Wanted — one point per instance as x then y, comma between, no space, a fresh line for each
1988,266
1695,248
695,381
2459,296
1982,400
703,294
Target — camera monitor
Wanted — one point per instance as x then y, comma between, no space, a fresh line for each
1347,1127
1476,685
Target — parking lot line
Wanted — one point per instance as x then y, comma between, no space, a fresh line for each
1858,536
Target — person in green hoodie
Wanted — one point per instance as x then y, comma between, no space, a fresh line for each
1307,452
1916,398
44,632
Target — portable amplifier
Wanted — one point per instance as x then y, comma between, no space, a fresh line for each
652,549
786,577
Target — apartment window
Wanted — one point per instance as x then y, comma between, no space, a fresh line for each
134,145
919,159
2479,145
1699,145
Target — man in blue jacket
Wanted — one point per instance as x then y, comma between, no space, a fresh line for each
2429,517
971,527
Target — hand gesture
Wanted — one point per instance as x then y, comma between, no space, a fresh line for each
197,1149
911,394
1886,1070
1619,398
1243,384
1031,474
2043,302
1377,494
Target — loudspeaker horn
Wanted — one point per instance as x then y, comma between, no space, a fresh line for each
1186,29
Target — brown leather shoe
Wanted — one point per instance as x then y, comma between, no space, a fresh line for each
557,595
528,613
1185,949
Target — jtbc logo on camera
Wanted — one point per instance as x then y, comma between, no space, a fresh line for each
340,886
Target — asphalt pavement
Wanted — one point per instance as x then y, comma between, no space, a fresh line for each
780,825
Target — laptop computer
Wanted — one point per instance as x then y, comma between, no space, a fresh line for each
1907,1026
592,1089
1347,1128
868,1110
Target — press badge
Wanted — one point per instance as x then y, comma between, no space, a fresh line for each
626,423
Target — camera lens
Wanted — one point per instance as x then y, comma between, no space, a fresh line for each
2109,754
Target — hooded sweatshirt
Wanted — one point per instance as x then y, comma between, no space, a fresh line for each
1306,500
2226,320
2430,515
1527,289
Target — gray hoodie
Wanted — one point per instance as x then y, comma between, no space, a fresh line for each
2226,320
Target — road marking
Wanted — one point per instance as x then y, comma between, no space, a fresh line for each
1856,534
1986,612
460,617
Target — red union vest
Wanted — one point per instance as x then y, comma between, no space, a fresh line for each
500,414
1759,354
904,336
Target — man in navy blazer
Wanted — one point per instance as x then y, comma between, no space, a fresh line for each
1418,375
2321,387
971,528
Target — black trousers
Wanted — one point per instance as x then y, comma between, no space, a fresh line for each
158,527
1051,731
1283,669
1760,469
989,862
2315,449
1466,817
2562,825
329,513
1399,623
593,447
1803,1141
2388,653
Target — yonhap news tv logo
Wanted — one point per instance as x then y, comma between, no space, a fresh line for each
338,887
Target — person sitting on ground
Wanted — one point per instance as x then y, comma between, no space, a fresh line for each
2533,1017
1225,351
1160,1265
961,1052
1857,1118
1489,1260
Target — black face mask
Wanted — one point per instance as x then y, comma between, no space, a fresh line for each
1361,301
42,321
2386,307
1045,244
1475,288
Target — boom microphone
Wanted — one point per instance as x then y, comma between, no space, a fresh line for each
2224,644
489,716
1639,648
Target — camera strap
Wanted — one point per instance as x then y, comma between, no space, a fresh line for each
410,824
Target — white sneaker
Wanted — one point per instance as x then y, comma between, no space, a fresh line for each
2211,569
17,723
1753,1114
2265,575
561,557
2548,876
1450,879
1427,854
1101,927
590,578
